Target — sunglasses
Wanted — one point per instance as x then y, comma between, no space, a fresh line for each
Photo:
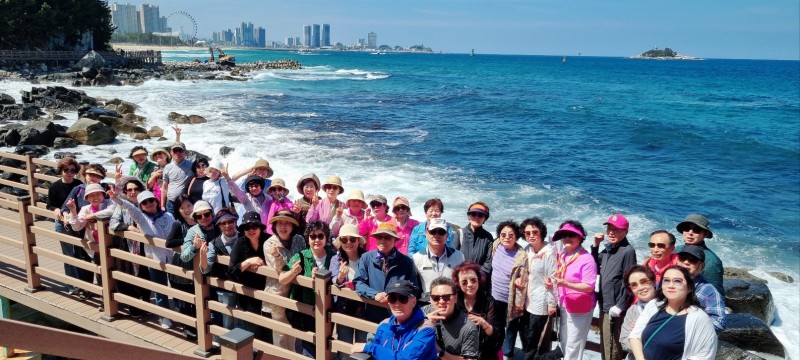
687,257
438,232
477,215
445,297
657,245
695,229
345,240
383,238
177,150
204,215
131,189
394,298
470,280
400,208
507,235
253,184
251,227
635,285
71,171
532,233
316,237
227,222
375,204
148,201
201,166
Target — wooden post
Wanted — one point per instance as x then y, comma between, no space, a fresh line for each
28,242
201,291
32,182
5,313
322,305
237,344
107,264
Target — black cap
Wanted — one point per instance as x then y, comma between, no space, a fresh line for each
694,251
255,178
251,218
403,287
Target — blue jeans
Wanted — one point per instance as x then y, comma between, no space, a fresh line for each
230,299
160,277
513,327
170,206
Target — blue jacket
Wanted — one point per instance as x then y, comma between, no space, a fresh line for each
416,339
371,280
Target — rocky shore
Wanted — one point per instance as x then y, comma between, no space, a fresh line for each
99,75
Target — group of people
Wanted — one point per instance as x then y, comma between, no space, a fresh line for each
452,292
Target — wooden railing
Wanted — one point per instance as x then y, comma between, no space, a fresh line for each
33,234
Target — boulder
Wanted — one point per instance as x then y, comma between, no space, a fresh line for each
38,132
110,107
194,155
749,296
91,132
781,276
155,132
225,150
13,191
88,72
726,351
196,119
64,143
62,154
19,112
126,108
116,160
33,150
122,126
10,137
57,97
91,60
133,118
140,136
178,118
6,99
95,113
748,332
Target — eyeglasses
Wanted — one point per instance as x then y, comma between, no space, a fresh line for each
204,215
71,171
677,282
508,235
469,280
445,297
532,233
643,282
316,237
148,201
477,215
345,240
657,245
438,232
394,298
131,189
434,211
695,229
227,222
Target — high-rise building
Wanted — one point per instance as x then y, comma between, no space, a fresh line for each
372,40
290,41
261,37
326,34
149,19
248,36
297,41
125,18
307,36
315,36
163,24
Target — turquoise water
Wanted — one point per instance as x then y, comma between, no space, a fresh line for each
658,139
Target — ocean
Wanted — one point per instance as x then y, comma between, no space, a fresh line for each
528,135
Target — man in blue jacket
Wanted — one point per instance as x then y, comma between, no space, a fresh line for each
407,334
380,268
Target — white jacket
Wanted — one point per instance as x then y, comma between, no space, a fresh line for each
700,337
428,270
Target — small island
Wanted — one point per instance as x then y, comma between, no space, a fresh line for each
663,54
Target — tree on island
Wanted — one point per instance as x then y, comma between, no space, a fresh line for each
55,24
667,52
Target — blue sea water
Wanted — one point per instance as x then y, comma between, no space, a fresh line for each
530,136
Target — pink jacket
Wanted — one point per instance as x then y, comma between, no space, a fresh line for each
268,212
582,269
324,211
367,227
404,233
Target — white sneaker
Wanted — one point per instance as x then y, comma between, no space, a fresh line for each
166,323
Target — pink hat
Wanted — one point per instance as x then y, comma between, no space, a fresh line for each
567,228
618,221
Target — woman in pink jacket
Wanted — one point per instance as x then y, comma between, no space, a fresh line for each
575,277
325,209
280,201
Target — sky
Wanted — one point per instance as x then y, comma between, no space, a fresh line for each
738,29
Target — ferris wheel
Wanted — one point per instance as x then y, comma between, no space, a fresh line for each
185,27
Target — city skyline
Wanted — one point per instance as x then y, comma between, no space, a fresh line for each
745,30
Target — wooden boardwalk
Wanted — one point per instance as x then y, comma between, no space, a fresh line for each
54,300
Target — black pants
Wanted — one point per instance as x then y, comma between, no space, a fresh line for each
254,306
184,307
535,327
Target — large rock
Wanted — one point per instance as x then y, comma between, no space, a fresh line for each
178,118
19,112
727,351
38,132
33,150
9,135
155,132
194,155
91,60
6,99
225,150
125,107
64,143
122,126
196,119
91,132
748,332
749,296
62,154
57,98
95,112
